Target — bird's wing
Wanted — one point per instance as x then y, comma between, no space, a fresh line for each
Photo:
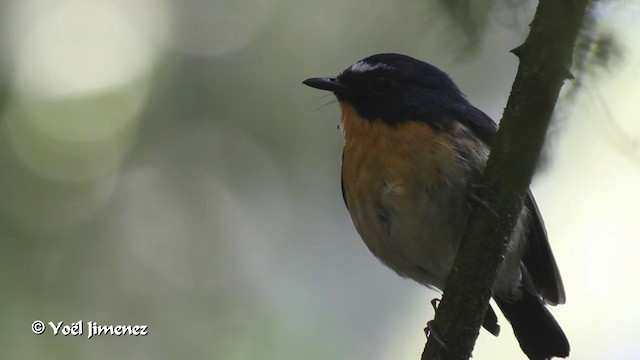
538,258
480,123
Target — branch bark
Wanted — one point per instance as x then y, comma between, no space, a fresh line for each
545,59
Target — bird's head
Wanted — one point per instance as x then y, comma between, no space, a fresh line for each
394,88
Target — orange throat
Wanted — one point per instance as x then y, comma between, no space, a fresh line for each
410,149
413,134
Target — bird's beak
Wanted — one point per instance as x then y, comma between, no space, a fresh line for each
326,83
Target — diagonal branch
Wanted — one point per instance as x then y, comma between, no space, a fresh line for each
545,59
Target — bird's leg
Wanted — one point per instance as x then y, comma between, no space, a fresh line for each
431,333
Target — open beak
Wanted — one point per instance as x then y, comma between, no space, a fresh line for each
326,83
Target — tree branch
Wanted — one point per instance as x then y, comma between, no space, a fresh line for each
545,59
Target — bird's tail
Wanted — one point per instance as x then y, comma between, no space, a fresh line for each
538,333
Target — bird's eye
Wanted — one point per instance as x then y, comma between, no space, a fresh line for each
381,83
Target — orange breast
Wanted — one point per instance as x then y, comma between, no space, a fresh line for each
403,188
391,158
406,188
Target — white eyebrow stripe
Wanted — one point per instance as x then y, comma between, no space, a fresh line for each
362,66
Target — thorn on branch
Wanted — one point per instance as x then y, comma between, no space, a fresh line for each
518,51
568,74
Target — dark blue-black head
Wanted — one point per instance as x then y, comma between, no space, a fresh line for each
396,88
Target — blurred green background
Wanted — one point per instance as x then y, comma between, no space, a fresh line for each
161,164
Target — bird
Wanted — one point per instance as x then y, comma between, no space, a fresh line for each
414,147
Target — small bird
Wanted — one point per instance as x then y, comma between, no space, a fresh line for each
413,148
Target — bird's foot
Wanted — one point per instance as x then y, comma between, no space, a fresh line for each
431,333
434,303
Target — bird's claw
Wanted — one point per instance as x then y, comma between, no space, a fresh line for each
431,333
434,303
